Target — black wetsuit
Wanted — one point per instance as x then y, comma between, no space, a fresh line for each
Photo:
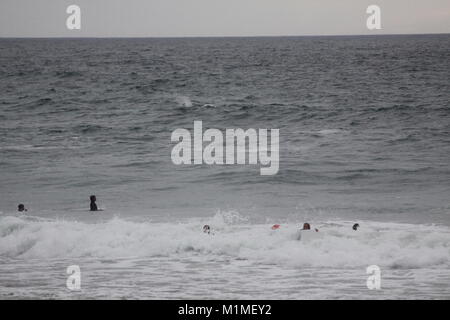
93,206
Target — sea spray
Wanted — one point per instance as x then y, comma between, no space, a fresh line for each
385,244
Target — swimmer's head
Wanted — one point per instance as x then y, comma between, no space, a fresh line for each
306,226
206,228
93,198
355,226
20,208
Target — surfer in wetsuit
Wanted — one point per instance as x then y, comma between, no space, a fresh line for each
306,226
306,229
93,204
21,208
206,229
355,226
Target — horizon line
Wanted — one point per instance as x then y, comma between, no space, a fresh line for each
223,36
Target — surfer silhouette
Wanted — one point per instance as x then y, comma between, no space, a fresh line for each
93,204
355,226
21,208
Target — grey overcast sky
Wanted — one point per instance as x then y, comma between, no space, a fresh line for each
176,18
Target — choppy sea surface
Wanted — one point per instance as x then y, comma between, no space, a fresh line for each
364,137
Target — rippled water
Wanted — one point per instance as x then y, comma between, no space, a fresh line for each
364,136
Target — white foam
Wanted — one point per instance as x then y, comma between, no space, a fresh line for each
184,101
385,244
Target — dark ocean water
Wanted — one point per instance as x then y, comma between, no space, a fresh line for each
364,124
364,136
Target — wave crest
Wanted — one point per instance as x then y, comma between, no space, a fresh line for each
385,244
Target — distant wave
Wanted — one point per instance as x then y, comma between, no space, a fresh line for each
36,148
68,74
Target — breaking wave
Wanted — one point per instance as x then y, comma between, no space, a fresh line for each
391,245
